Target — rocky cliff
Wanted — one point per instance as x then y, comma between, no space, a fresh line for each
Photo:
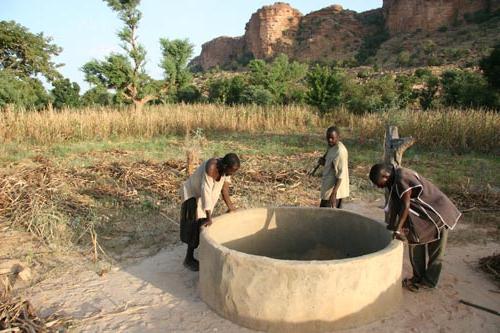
332,32
271,30
429,15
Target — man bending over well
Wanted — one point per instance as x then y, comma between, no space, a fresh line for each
420,213
200,193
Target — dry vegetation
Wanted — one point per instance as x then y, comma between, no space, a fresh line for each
118,203
457,130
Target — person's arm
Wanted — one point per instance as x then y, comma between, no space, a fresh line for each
206,192
403,215
227,199
333,196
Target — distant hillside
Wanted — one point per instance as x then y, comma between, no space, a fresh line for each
401,33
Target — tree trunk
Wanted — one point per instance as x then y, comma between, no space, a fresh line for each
394,148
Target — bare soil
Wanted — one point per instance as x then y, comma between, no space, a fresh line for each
157,294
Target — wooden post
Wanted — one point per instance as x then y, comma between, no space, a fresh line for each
394,148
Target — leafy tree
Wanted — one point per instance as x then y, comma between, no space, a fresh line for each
490,66
26,54
97,96
427,95
65,94
218,90
375,95
281,78
24,92
466,89
189,94
404,86
24,59
125,73
325,88
176,54
257,95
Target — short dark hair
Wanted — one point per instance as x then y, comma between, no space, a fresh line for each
332,129
377,169
231,160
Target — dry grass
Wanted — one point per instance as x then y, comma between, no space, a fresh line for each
491,265
18,315
458,130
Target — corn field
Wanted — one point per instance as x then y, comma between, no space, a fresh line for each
456,130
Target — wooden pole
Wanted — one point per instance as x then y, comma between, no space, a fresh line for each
394,148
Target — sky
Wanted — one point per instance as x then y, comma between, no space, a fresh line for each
86,29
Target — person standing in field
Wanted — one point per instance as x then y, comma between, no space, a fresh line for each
200,193
420,213
335,180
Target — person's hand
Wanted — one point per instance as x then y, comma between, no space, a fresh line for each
321,161
208,222
333,201
399,236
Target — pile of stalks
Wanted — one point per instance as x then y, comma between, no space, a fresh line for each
18,315
491,265
41,198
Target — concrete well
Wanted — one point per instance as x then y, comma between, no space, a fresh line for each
299,269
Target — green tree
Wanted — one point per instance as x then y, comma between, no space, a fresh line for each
325,86
65,94
25,58
24,92
490,66
26,54
125,73
281,78
97,96
427,95
466,89
176,54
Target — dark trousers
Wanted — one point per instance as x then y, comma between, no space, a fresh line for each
326,203
427,260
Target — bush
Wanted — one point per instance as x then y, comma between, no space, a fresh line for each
490,66
189,94
427,96
466,89
404,58
375,95
257,95
325,88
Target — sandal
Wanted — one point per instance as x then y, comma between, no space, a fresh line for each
410,285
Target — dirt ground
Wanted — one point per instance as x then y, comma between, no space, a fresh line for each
158,294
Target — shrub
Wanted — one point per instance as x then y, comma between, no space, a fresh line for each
257,95
189,94
325,88
404,58
427,96
373,96
490,66
466,89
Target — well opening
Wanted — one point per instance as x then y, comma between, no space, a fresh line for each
279,269
287,235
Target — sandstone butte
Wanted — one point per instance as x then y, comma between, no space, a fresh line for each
332,32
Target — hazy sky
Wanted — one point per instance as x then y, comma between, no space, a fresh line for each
86,29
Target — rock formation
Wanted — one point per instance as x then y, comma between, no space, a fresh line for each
332,32
272,30
426,15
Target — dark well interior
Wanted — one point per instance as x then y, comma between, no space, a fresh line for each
302,234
